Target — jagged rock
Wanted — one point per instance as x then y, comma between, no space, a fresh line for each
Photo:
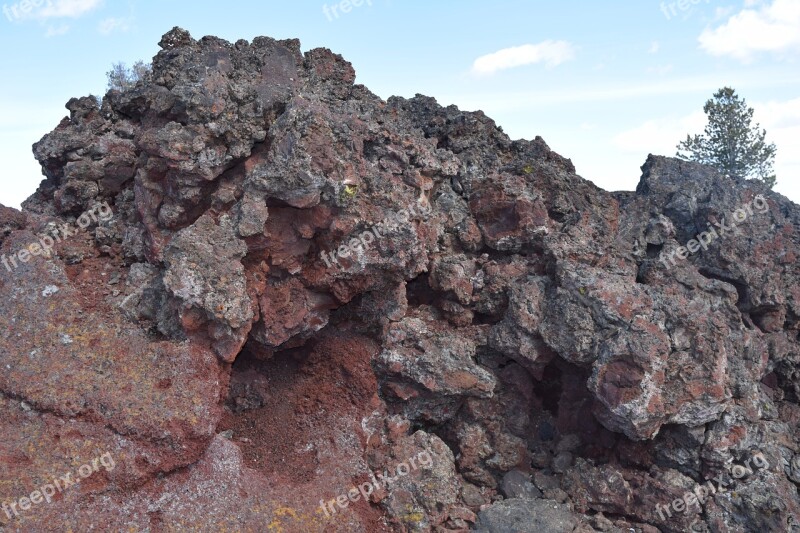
527,516
430,368
10,220
517,484
426,496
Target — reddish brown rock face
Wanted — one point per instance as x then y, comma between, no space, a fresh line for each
307,309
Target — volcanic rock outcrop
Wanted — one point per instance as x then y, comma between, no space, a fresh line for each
313,310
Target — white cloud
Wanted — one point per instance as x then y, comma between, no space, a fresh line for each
660,70
551,53
773,28
700,86
779,114
112,24
24,122
55,31
660,136
722,13
68,8
51,9
655,46
782,122
22,173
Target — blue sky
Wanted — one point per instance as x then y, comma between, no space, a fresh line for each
604,83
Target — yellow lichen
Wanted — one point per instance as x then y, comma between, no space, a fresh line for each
414,518
279,521
349,192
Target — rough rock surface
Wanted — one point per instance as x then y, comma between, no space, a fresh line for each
303,287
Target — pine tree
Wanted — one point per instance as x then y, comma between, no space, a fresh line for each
730,143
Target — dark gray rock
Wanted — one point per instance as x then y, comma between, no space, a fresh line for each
517,484
527,516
